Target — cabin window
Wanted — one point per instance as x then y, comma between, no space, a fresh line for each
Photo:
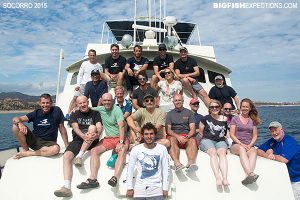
201,77
74,78
212,75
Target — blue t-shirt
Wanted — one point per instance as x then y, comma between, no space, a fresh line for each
95,92
45,125
290,150
125,107
198,118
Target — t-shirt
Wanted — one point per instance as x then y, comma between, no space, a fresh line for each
142,116
163,63
290,150
166,94
110,119
180,120
115,66
45,125
84,120
136,65
139,95
95,92
243,132
224,94
125,107
186,67
214,129
152,169
198,118
84,74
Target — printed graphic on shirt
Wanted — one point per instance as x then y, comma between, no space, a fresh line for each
216,129
149,164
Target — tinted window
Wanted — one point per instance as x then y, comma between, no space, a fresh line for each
212,75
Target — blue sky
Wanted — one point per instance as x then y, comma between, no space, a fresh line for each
260,45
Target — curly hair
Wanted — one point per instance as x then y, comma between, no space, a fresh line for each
149,126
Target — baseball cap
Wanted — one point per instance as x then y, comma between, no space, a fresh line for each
183,49
275,124
162,47
193,101
95,71
148,95
219,77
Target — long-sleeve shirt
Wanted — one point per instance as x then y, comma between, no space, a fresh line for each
153,168
84,74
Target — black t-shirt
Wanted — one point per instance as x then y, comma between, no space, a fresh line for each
95,92
84,120
136,65
45,125
115,66
139,95
224,94
186,67
214,129
162,63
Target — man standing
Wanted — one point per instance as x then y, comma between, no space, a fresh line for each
134,66
113,123
223,93
187,70
150,114
160,63
152,180
180,128
143,89
283,148
115,65
96,88
46,122
87,127
84,76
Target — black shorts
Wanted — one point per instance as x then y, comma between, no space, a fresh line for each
35,142
76,144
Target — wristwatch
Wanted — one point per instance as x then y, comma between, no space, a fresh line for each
187,137
121,142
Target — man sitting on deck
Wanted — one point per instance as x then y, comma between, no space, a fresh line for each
180,127
46,122
87,127
283,148
113,123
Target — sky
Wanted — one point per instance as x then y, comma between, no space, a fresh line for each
260,43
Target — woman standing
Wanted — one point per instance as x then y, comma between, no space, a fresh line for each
213,128
168,88
243,131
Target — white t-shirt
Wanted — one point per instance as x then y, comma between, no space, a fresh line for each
84,74
166,94
153,170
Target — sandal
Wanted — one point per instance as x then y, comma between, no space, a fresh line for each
113,181
179,167
89,183
191,168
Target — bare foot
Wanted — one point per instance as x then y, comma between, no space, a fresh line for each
23,154
225,182
219,182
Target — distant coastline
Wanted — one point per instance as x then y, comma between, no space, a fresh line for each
16,111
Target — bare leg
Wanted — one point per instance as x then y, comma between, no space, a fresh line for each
205,97
174,151
214,163
44,151
252,155
191,151
223,165
164,142
153,83
92,129
120,79
187,85
95,160
72,105
20,137
120,161
67,165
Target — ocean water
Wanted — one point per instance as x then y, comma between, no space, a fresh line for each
288,116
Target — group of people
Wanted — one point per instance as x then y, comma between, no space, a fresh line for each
159,125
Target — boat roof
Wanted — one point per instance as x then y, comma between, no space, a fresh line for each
122,27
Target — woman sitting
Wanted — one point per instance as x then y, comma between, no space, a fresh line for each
168,88
213,129
243,131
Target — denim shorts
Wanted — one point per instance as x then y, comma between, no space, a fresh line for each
206,144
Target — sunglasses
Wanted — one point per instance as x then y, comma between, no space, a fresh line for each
195,104
162,49
149,100
95,74
168,72
142,79
228,109
214,107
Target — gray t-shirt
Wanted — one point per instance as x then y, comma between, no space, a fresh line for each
180,120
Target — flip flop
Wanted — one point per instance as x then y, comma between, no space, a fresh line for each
179,167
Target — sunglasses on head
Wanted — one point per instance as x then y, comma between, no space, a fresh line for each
214,107
149,100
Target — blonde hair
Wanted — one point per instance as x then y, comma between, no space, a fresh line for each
175,77
217,102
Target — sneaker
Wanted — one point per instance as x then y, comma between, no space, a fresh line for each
78,162
63,192
89,183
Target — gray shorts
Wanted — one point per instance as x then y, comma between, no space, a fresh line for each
80,92
196,87
206,144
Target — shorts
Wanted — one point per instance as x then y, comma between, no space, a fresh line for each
196,86
80,92
35,142
76,144
142,192
206,144
181,145
111,142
